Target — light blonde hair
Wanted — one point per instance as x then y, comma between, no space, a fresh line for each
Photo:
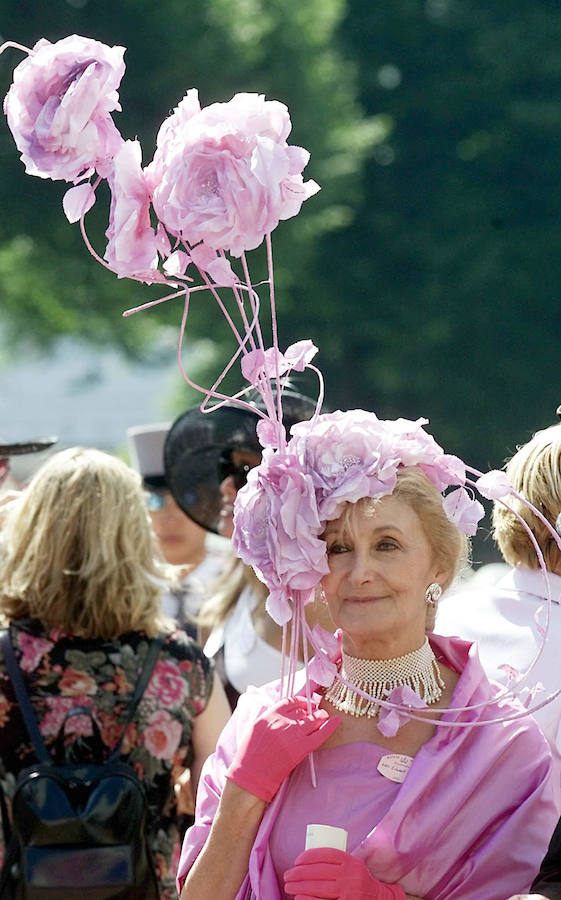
449,545
225,593
534,472
79,551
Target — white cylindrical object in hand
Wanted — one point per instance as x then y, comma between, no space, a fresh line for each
326,836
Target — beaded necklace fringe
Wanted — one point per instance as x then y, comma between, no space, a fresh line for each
418,670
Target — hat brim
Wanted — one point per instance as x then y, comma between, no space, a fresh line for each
192,451
20,447
196,441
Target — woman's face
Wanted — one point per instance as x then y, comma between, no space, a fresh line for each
238,464
380,569
181,540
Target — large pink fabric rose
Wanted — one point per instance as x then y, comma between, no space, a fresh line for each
132,248
225,175
59,107
290,555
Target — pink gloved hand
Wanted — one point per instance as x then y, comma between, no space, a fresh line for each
334,875
279,739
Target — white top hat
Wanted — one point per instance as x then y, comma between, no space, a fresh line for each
146,444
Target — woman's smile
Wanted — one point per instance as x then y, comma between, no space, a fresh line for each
380,565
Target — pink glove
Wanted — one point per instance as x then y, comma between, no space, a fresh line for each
279,739
334,875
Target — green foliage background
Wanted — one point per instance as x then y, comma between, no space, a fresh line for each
428,268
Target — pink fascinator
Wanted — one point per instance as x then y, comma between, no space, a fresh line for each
221,180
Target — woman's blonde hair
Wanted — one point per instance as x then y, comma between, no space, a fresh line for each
449,545
225,593
79,551
534,472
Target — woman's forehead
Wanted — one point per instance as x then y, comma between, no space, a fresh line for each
372,514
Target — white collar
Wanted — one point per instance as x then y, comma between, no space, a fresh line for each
531,581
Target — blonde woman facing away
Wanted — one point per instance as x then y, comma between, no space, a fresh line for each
80,592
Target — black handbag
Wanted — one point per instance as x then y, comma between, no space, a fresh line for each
78,831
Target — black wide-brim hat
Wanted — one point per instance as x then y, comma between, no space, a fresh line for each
20,447
196,441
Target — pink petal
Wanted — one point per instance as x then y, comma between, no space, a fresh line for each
279,607
77,201
322,670
461,509
176,263
269,363
406,696
389,722
513,675
268,433
494,485
331,643
221,272
203,256
298,355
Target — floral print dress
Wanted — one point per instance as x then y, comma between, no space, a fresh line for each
62,672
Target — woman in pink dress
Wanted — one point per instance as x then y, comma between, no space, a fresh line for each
434,805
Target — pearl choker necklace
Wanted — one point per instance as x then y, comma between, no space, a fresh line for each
377,677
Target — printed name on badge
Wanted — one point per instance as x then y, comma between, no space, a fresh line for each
395,766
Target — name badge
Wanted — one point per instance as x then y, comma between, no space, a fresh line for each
395,766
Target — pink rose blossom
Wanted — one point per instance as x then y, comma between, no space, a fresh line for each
167,684
132,248
291,554
225,174
33,649
162,735
59,107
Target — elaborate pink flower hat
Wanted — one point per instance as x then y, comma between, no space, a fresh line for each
221,180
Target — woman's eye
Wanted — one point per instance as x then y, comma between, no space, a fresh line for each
337,548
387,545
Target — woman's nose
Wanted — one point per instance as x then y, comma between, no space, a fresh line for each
363,568
228,488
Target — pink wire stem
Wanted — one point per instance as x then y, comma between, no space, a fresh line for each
252,294
212,288
387,704
263,383
303,631
189,381
174,296
274,330
15,47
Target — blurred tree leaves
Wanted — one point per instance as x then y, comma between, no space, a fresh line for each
286,50
445,289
